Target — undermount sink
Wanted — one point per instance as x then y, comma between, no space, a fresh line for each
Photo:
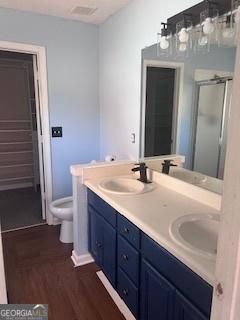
124,186
197,233
187,175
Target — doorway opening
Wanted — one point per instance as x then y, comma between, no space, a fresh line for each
22,181
160,102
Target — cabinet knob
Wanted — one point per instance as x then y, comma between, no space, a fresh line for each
98,244
125,292
125,257
126,230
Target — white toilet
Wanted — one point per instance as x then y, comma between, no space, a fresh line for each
63,210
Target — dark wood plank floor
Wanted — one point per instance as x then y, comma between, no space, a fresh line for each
39,270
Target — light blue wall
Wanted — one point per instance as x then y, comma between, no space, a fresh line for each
72,62
220,59
122,37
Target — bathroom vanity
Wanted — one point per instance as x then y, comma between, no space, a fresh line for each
130,240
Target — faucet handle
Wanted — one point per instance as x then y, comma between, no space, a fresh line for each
169,162
141,164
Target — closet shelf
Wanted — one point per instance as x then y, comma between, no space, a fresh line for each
16,152
15,130
17,178
16,142
15,165
7,121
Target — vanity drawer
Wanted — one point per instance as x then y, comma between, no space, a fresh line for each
104,209
128,292
128,259
194,288
129,231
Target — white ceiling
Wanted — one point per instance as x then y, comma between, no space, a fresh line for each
62,8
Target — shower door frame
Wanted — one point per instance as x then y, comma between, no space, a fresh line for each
198,85
43,138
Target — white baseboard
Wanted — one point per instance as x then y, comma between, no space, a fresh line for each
115,296
81,260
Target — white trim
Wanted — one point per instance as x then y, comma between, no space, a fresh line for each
179,77
26,227
3,290
81,260
39,133
40,52
115,296
226,303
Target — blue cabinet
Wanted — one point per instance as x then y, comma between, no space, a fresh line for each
157,295
161,300
153,283
185,310
102,244
128,259
95,235
194,288
128,292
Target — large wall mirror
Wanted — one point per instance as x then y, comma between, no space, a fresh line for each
185,108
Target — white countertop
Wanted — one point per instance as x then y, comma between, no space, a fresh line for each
153,212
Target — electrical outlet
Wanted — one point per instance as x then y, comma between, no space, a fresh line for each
57,132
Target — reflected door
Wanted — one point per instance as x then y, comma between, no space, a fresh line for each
159,111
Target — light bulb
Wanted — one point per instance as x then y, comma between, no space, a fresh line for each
228,33
208,26
182,47
203,41
183,35
164,43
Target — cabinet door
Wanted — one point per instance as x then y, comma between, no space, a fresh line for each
185,310
157,295
95,236
109,263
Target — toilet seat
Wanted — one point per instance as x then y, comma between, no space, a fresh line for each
63,208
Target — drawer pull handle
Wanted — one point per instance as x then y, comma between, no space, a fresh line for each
125,292
126,230
125,257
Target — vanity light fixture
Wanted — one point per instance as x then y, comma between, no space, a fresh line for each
164,41
229,30
183,36
200,28
208,29
208,17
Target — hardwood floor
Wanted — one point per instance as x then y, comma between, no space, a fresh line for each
39,270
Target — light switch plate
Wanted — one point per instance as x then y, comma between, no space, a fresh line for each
57,132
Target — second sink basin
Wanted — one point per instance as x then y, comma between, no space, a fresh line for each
124,186
197,233
187,175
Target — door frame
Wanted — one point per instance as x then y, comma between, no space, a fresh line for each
178,92
226,295
40,53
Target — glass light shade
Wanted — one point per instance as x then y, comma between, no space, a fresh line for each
201,41
227,30
209,24
164,45
183,37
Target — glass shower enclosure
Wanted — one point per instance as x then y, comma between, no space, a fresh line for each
211,122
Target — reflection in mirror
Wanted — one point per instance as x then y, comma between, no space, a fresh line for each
185,108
